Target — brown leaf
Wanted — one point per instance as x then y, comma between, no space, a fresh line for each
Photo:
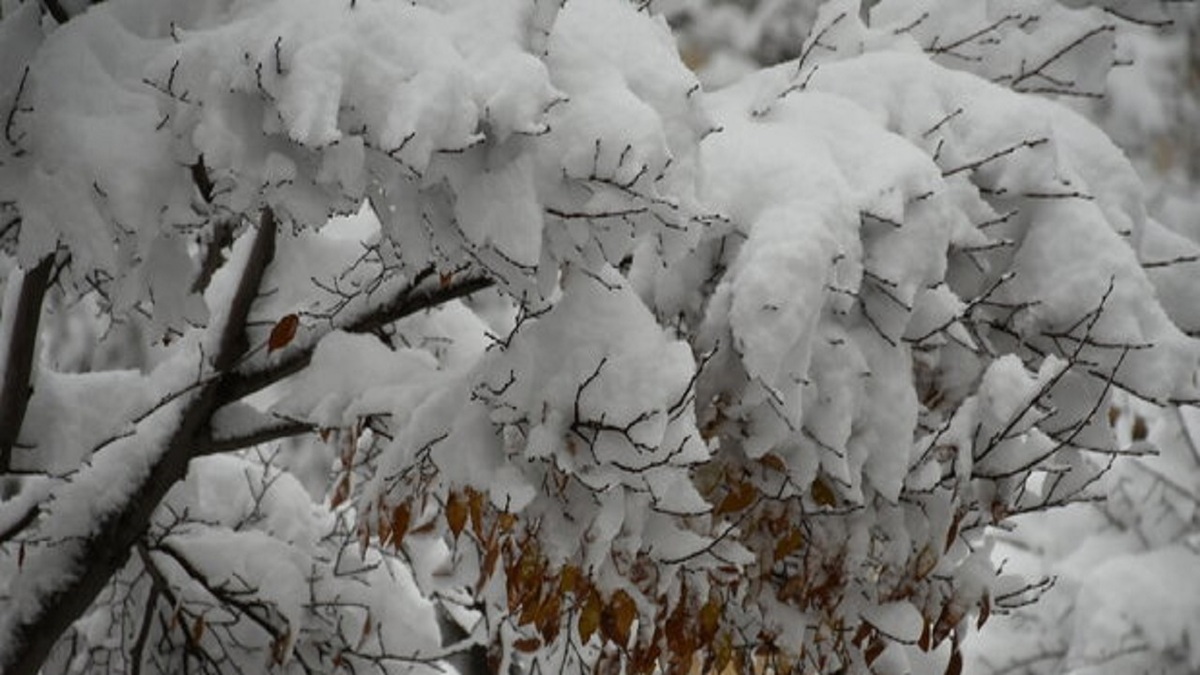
874,650
822,493
740,497
956,663
589,617
341,492
617,618
527,645
444,280
456,513
985,610
475,504
279,648
568,578
401,515
789,543
198,630
952,533
773,461
547,617
1114,413
283,332
710,620
925,642
1140,429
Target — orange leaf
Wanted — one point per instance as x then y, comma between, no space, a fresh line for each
283,332
741,496
589,617
822,493
456,513
617,619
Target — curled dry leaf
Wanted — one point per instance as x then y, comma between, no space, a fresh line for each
283,332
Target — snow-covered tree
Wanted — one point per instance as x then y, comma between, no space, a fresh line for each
616,373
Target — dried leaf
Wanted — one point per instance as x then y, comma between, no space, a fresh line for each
710,620
401,515
985,611
925,642
789,543
589,616
198,630
568,579
822,493
927,560
952,533
740,497
342,492
444,279
456,513
773,461
283,332
527,645
547,617
475,504
617,618
956,663
279,648
1114,413
1140,429
874,650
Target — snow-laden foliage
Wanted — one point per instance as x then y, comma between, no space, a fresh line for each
744,375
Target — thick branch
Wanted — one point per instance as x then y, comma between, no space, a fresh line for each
16,390
97,556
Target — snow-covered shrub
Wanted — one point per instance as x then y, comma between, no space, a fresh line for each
618,373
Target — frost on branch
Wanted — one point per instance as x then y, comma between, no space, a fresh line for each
757,369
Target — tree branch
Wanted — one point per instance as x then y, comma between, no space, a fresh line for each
90,562
15,391
412,299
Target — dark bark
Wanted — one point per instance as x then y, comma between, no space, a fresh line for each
102,554
16,389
